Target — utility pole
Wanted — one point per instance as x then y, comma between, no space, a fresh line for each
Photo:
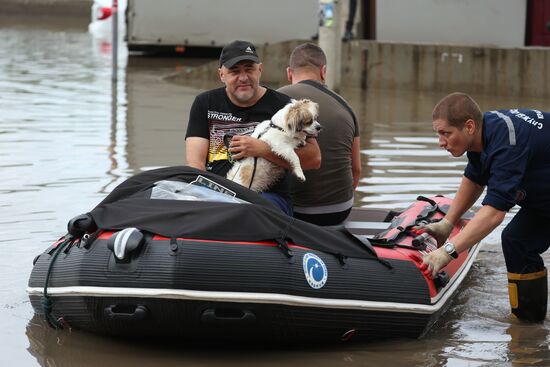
114,48
330,40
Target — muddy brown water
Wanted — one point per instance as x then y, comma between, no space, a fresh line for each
67,138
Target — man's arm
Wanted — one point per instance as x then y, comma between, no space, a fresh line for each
483,223
310,154
466,196
245,146
196,152
356,161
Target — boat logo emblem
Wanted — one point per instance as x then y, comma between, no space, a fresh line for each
315,270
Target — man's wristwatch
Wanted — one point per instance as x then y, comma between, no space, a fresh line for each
450,249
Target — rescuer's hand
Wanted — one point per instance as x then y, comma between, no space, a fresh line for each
439,230
436,260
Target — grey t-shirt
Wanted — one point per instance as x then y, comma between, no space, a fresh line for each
333,182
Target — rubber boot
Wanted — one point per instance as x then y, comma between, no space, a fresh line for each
528,295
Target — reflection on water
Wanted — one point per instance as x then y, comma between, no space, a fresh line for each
68,136
157,114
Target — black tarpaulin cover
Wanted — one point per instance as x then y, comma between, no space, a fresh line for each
130,205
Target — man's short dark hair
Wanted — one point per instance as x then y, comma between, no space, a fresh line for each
307,54
456,108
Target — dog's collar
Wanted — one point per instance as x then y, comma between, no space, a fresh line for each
271,125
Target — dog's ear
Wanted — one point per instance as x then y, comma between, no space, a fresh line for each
299,116
299,126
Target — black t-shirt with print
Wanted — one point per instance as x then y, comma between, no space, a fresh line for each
213,115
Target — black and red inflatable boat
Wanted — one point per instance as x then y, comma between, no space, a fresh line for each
180,252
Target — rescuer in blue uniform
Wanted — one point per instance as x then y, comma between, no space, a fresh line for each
509,153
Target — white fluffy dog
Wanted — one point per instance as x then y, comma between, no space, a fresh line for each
287,130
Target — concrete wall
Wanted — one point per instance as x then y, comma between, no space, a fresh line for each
438,68
485,70
461,22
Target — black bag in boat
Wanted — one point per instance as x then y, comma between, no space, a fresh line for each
136,203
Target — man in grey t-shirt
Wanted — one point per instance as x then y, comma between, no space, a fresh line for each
326,197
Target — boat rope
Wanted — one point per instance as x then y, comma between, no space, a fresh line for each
283,246
342,259
47,304
386,263
282,243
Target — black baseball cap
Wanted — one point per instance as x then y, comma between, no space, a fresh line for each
238,51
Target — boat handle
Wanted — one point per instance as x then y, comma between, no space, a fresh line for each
441,279
126,312
229,316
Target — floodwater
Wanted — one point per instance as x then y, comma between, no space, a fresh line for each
67,138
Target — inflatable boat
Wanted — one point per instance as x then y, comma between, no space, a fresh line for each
177,252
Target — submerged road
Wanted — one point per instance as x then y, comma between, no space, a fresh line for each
67,138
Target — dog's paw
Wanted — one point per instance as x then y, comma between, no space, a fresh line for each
300,176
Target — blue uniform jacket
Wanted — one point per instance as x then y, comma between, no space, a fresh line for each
515,161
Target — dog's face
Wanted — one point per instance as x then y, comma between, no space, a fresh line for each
299,117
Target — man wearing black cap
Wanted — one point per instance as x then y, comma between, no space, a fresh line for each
235,110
